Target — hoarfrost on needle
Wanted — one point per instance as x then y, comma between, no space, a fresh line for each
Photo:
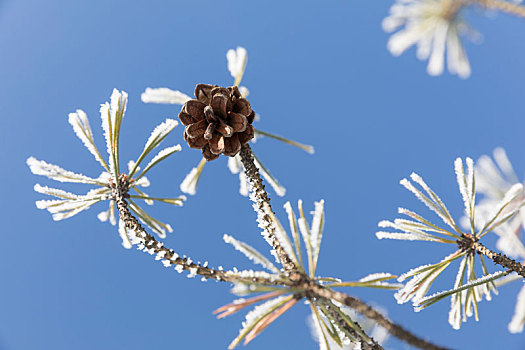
435,27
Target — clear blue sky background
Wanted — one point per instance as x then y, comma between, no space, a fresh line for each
318,72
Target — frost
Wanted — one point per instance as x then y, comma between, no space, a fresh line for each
405,236
244,91
376,276
54,172
189,184
164,95
250,253
518,319
257,314
316,234
55,192
236,167
163,154
435,204
237,60
123,232
502,212
159,133
82,129
272,181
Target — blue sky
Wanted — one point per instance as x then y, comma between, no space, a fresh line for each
318,72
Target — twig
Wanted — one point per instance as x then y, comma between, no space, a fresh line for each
365,345
469,242
369,312
264,209
155,247
503,6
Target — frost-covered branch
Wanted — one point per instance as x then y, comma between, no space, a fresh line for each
503,6
263,208
169,258
366,310
469,242
351,329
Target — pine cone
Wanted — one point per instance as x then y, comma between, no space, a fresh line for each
218,121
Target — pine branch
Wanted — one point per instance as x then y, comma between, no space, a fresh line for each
264,209
468,242
371,344
503,6
168,255
361,307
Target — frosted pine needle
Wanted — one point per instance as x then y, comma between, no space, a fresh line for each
164,96
434,26
374,280
251,253
518,319
69,204
237,60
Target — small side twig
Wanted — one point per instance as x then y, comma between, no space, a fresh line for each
365,345
364,309
469,242
503,6
264,209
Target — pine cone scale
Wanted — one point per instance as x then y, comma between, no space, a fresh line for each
242,106
224,129
232,145
186,119
206,152
194,108
203,93
219,104
196,142
197,129
238,122
216,144
247,135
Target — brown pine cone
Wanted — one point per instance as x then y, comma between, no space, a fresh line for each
218,121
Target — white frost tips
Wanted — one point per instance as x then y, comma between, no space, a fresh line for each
159,133
164,95
237,60
123,232
234,164
55,192
518,320
189,184
250,253
119,101
244,91
54,172
82,129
